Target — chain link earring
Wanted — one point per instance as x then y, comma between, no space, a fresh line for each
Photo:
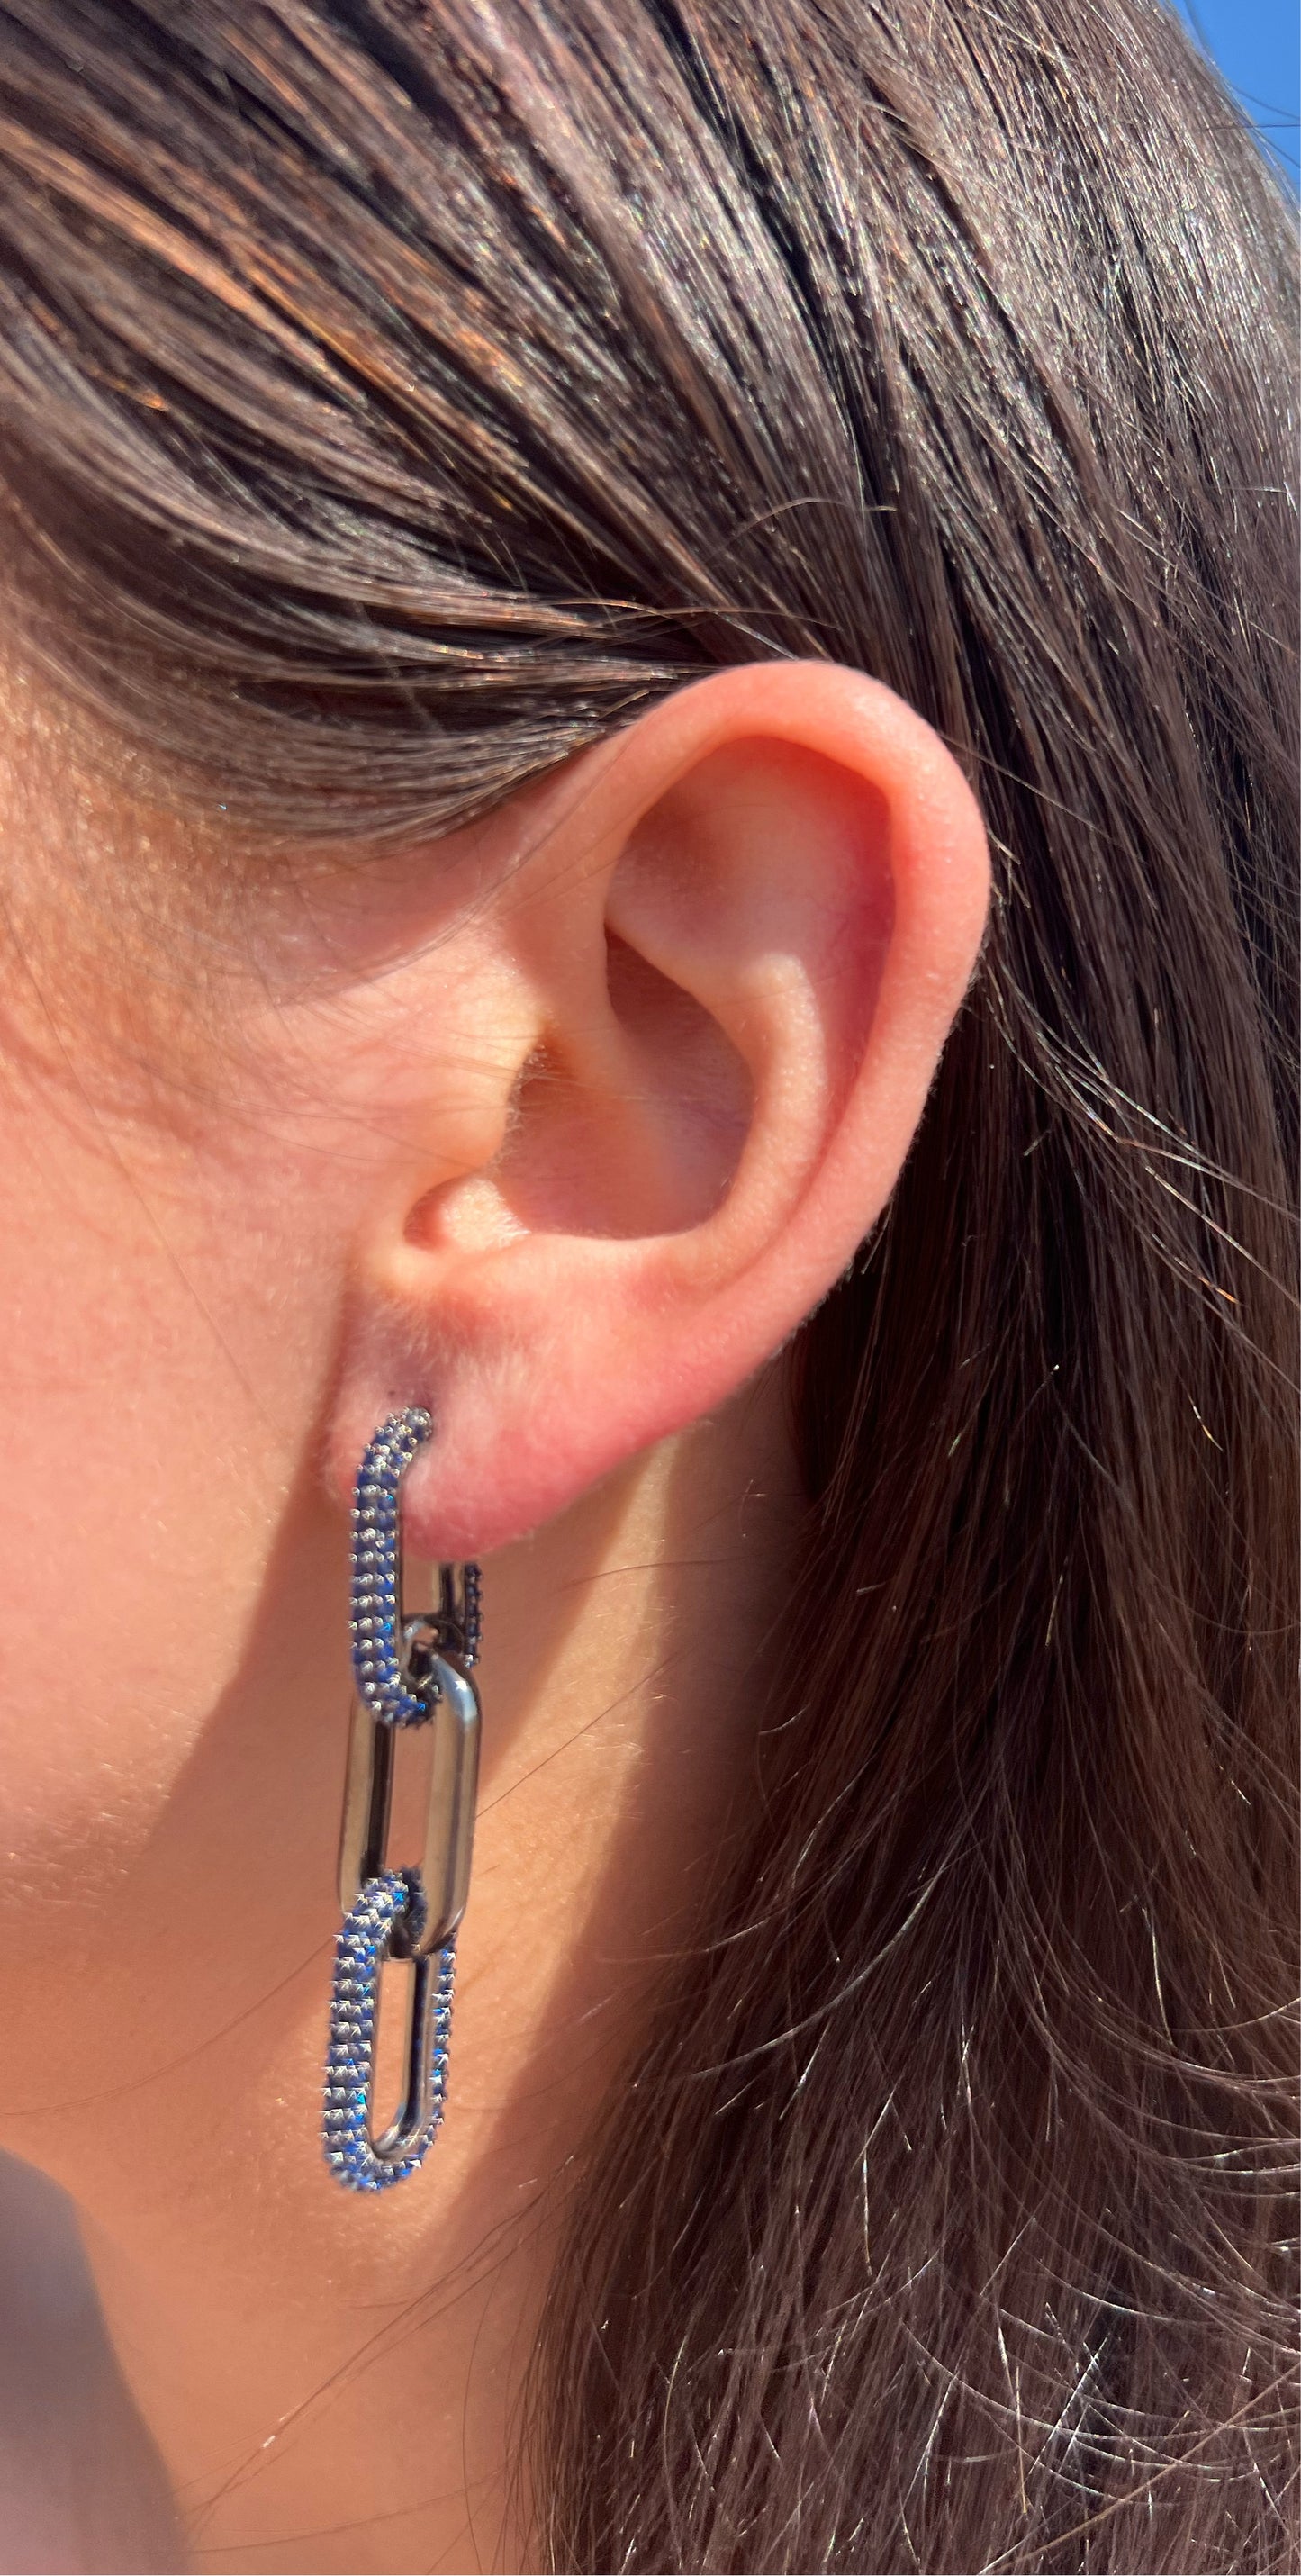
408,1672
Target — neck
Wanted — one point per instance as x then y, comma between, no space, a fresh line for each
335,2381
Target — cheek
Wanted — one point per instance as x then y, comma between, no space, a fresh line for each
166,1331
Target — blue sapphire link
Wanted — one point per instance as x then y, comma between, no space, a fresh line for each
377,1572
385,1906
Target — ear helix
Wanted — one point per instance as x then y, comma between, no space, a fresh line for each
408,1671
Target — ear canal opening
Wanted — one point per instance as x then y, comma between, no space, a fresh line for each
637,1133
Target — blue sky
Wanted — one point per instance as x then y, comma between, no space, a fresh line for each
1257,44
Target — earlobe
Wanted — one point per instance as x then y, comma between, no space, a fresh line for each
747,925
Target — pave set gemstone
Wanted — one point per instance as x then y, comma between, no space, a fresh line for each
471,1614
389,1910
365,1941
376,1621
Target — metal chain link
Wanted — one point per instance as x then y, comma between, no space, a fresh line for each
397,1663
359,2162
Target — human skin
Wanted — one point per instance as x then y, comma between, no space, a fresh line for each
560,1126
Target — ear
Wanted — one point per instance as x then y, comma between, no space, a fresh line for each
717,966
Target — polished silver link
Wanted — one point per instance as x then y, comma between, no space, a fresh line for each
444,1867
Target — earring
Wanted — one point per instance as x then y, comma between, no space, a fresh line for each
407,1672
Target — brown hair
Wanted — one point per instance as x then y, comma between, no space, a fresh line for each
393,398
